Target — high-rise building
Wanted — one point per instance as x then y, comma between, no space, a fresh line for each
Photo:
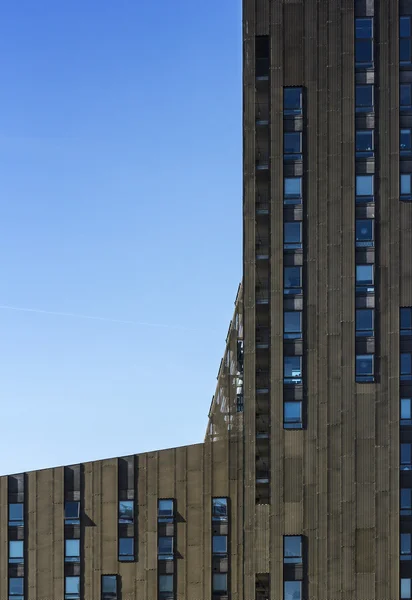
302,488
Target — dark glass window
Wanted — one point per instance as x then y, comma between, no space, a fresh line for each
292,369
365,322
72,588
126,511
16,551
292,190
365,368
406,457
292,324
16,514
166,510
364,42
72,551
165,583
365,233
292,280
219,544
406,320
406,589
292,415
126,549
220,582
109,587
406,411
405,186
405,96
219,509
72,513
16,588
292,145
292,235
405,141
292,590
165,547
406,366
364,143
364,188
405,40
406,546
365,278
364,98
292,549
292,101
364,28
406,501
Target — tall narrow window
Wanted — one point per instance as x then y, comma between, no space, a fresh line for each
405,96
405,186
405,142
292,575
292,145
292,190
364,42
365,143
406,320
292,101
405,40
364,100
406,411
109,587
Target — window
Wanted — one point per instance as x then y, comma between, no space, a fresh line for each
72,588
292,145
292,549
16,588
406,502
406,411
126,511
365,233
405,96
16,551
365,143
292,190
292,101
364,98
406,547
292,415
406,366
165,584
292,590
405,40
292,325
364,188
165,548
72,551
405,144
365,278
405,186
292,235
126,549
72,513
365,367
365,322
166,511
406,320
220,583
406,457
364,42
406,589
292,369
16,514
109,587
219,544
219,509
292,280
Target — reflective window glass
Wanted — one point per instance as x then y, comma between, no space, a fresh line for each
406,365
364,143
219,582
292,549
364,52
406,547
72,548
406,411
406,501
292,101
364,278
16,551
292,415
406,320
404,27
405,93
166,508
292,324
365,233
72,512
72,588
364,367
405,185
292,280
292,590
292,235
165,583
16,586
406,456
109,587
126,548
165,545
364,187
406,589
364,28
364,98
16,514
292,144
126,511
219,544
405,141
292,367
365,322
292,190
219,509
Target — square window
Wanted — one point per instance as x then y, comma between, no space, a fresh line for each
406,589
406,501
292,415
406,546
365,233
365,278
292,324
72,513
364,28
109,587
405,141
406,457
406,320
292,190
365,322
165,547
219,509
292,280
292,549
16,551
364,98
126,511
16,586
406,366
219,544
292,145
292,369
406,411
364,143
292,235
292,590
405,96
405,185
72,588
220,582
16,514
365,367
72,551
165,583
292,101
166,510
364,188
404,27
126,549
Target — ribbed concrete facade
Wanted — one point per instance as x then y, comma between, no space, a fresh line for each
306,448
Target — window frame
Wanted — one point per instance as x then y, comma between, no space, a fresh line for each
292,197
365,286
367,377
126,556
217,502
109,595
72,595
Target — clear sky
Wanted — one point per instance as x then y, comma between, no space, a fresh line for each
120,200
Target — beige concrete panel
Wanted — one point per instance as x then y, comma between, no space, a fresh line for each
365,506
365,557
166,468
262,539
365,586
58,533
293,518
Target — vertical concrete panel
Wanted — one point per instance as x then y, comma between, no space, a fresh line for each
58,533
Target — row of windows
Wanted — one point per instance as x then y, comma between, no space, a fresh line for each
166,515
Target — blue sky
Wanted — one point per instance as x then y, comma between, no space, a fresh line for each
120,200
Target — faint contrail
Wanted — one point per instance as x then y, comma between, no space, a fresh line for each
92,318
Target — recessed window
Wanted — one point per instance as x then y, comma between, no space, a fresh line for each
16,514
109,587
292,190
365,233
126,511
292,280
292,590
365,143
165,547
406,320
166,510
406,589
292,415
406,366
364,188
364,42
365,367
219,509
292,369
72,513
365,277
292,324
220,583
406,457
406,411
365,322
219,544
16,588
72,588
72,551
292,235
364,98
165,584
405,186
16,551
405,96
126,549
292,145
405,40
406,547
406,501
292,549
405,144
292,101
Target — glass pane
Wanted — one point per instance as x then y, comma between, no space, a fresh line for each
364,232
219,508
293,187
72,585
16,549
406,318
293,412
165,583
16,512
292,324
405,184
364,274
404,27
109,584
406,498
126,511
364,321
292,235
72,510
219,582
406,363
292,142
293,590
364,141
405,94
292,547
364,28
16,586
364,185
292,100
405,51
219,544
73,548
405,588
293,277
364,51
165,545
406,543
405,140
126,546
166,508
364,364
292,367
364,97
406,413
